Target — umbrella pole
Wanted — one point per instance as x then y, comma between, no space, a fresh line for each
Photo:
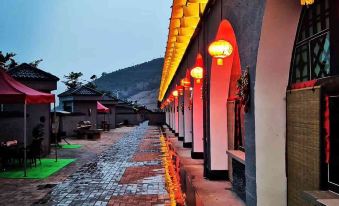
55,134
25,139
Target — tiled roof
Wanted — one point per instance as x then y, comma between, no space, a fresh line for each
28,72
81,91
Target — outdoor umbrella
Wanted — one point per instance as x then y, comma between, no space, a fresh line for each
102,109
14,92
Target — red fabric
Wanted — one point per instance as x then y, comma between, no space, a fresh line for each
101,108
12,92
327,129
301,85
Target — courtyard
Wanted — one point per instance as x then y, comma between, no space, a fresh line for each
122,168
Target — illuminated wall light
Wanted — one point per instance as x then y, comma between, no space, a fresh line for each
197,73
307,2
220,49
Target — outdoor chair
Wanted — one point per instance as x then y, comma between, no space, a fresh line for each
8,153
34,151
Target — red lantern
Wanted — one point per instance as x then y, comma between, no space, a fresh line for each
180,89
185,82
220,49
175,93
197,73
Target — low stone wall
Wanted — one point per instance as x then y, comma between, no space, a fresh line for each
69,123
158,118
132,119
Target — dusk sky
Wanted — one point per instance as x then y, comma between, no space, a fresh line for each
91,36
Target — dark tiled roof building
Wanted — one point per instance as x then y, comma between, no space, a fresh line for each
28,72
81,91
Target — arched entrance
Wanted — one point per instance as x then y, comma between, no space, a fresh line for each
188,102
197,143
223,87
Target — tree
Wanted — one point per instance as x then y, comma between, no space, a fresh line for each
91,83
7,60
72,80
36,63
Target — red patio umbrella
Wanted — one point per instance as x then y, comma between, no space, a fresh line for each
14,92
102,109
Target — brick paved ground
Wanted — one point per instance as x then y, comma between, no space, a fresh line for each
26,192
128,173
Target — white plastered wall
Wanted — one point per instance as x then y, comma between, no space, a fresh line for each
279,27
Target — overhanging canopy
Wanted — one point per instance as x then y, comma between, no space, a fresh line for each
101,108
14,92
184,20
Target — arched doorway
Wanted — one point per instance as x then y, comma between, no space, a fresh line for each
188,103
222,88
197,143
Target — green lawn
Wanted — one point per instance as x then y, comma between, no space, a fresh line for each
70,146
47,168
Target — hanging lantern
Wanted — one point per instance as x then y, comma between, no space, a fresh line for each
175,93
180,90
197,73
307,2
220,49
185,82
171,98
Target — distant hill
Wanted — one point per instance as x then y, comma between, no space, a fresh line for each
136,83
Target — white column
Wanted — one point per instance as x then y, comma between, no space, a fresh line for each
166,113
176,115
181,117
171,115
278,32
198,144
187,116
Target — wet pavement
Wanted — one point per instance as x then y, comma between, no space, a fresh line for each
28,191
128,173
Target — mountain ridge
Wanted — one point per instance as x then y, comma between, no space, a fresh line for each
135,83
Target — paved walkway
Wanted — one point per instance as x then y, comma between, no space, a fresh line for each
128,173
25,192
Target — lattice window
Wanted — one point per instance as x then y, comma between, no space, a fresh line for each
311,59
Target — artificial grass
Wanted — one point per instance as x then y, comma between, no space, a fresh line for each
70,146
41,171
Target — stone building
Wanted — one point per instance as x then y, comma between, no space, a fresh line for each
81,102
11,119
274,134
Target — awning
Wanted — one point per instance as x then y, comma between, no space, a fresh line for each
185,18
101,108
14,92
